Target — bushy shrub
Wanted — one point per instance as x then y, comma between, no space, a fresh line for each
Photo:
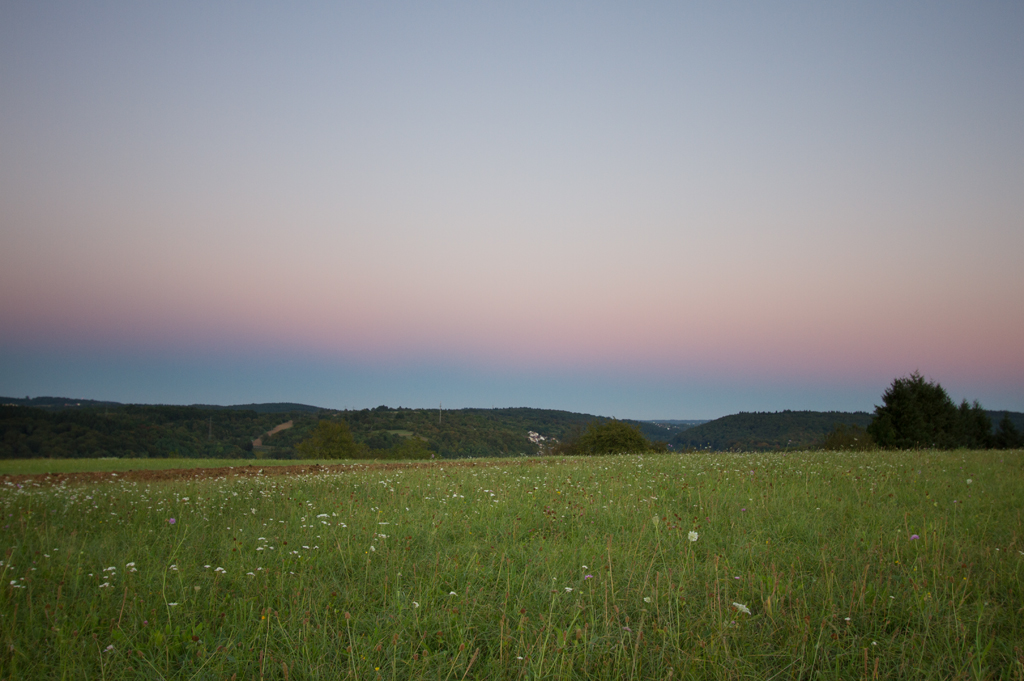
329,440
410,448
611,437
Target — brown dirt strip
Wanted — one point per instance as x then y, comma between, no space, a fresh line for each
255,470
258,442
284,426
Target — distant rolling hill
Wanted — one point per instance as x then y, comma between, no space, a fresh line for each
784,429
665,429
766,430
1016,418
67,427
72,427
268,407
57,403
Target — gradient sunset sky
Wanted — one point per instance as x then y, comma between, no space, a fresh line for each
643,210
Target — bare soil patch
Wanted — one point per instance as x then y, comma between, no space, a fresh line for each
278,428
256,470
258,442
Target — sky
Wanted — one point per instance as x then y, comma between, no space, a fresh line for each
652,210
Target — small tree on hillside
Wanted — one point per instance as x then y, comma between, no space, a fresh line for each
568,445
1007,436
329,440
974,427
611,437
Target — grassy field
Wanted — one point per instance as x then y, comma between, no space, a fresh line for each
757,566
40,466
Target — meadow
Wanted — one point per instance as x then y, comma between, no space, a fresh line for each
42,466
803,565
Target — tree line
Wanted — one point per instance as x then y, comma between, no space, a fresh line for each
919,414
62,428
916,413
137,431
766,431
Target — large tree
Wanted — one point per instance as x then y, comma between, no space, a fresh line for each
919,413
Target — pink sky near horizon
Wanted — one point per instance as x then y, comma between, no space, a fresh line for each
820,195
754,333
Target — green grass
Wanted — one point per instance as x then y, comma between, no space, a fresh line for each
528,569
41,466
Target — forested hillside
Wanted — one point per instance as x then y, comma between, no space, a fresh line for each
767,430
65,403
1016,418
66,428
136,431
